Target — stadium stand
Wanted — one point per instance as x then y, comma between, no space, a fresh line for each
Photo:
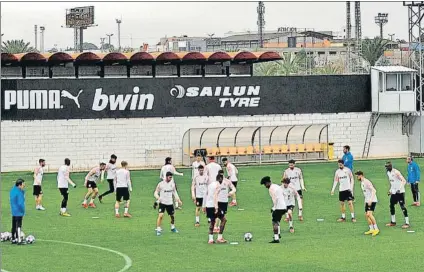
253,144
137,64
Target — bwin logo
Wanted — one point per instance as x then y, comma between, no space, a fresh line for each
235,96
37,99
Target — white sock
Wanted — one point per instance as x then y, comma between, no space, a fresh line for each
197,219
393,218
279,230
371,227
343,215
210,237
375,227
116,211
300,212
85,201
291,224
352,215
407,220
126,210
209,220
276,237
176,204
158,229
19,235
172,226
92,200
219,236
62,210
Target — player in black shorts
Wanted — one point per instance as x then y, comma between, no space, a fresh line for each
279,206
111,172
397,194
164,193
199,186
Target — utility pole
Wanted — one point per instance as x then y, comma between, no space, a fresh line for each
42,29
102,44
109,35
391,36
35,36
119,21
348,36
261,23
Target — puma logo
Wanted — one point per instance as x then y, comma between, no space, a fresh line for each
73,98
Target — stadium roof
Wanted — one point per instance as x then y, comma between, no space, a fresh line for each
253,37
87,58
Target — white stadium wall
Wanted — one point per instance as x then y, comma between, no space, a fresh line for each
147,141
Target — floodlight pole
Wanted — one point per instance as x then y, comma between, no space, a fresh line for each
42,29
119,21
381,19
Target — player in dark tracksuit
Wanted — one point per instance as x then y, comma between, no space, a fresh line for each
413,179
17,205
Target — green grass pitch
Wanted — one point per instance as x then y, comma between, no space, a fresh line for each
325,246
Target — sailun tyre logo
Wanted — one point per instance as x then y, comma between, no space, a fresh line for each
178,91
227,96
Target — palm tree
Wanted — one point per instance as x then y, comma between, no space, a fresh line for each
290,64
16,47
373,49
329,69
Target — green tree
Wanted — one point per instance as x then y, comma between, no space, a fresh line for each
373,49
290,64
16,47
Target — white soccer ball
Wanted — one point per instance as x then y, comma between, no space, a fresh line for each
248,237
5,236
30,239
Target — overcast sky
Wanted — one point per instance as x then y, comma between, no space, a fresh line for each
147,22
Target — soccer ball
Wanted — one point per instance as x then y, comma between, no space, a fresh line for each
248,237
30,239
5,236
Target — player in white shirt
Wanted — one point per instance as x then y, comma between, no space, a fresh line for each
123,187
90,182
195,166
215,206
198,189
279,207
290,194
63,180
226,190
111,174
370,195
38,179
397,194
168,167
164,192
344,178
296,180
232,173
212,169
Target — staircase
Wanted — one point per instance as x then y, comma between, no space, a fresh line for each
370,133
